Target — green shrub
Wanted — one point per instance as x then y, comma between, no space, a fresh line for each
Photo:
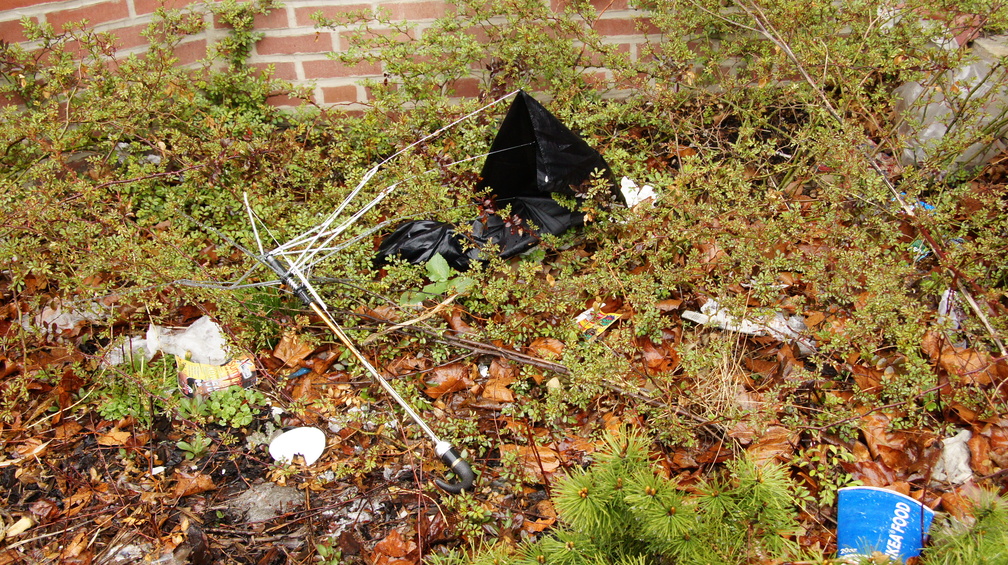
621,511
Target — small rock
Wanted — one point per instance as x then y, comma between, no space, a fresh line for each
265,501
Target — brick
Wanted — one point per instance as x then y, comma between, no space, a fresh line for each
327,68
12,32
479,33
625,26
149,6
11,100
15,4
191,51
277,19
598,79
595,58
346,38
283,100
413,11
346,94
286,44
129,37
467,87
601,6
303,16
284,70
95,14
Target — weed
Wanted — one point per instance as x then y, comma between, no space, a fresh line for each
442,281
140,390
823,465
233,407
196,447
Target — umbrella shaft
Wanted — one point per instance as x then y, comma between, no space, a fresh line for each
374,373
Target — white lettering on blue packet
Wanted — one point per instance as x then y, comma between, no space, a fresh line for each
871,519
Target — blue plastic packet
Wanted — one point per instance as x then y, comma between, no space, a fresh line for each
871,519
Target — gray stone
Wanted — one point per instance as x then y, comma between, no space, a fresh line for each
265,501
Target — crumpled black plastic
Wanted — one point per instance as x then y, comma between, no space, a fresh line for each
533,157
419,240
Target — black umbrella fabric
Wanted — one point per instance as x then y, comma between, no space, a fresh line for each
533,157
419,240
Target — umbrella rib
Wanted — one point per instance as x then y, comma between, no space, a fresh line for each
309,240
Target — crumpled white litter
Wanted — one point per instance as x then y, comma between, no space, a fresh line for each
954,464
126,350
634,194
55,319
787,329
202,342
950,312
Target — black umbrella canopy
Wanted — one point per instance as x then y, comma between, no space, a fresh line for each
419,240
533,157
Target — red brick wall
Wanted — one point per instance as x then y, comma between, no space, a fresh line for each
291,44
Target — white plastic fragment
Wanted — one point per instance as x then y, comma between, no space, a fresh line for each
950,312
941,34
126,350
307,442
55,318
954,464
634,194
787,329
202,342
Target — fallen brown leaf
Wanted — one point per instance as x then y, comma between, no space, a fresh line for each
192,483
547,348
291,349
455,321
971,366
394,550
775,441
497,390
997,438
114,438
535,460
961,501
871,473
76,547
979,448
44,509
448,378
29,450
669,304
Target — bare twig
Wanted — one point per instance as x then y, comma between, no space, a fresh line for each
444,303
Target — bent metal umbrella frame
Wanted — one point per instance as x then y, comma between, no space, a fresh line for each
291,261
301,288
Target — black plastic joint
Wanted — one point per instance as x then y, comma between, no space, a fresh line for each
462,470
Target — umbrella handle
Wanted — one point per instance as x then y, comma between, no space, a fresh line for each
462,470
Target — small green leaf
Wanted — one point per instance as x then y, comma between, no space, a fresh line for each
438,269
412,298
436,288
460,284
